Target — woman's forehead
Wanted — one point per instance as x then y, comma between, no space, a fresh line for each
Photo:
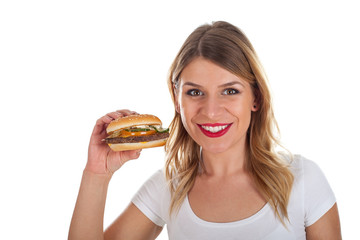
201,71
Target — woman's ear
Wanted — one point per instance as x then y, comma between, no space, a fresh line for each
255,107
257,102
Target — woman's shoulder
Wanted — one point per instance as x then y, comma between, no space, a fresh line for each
153,198
311,189
306,171
297,162
157,179
302,167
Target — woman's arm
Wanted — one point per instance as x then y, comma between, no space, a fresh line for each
87,220
132,224
327,227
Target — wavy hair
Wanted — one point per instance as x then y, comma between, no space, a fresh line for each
228,47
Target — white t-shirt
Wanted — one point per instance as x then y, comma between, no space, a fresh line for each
311,197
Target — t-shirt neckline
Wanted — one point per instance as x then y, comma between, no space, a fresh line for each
244,221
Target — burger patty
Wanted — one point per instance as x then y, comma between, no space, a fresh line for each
136,139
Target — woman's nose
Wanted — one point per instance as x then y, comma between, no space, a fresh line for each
212,107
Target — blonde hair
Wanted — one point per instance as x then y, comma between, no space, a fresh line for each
226,45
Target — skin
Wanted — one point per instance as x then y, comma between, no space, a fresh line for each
87,220
209,94
206,94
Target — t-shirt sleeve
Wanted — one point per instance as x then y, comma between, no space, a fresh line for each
319,197
150,198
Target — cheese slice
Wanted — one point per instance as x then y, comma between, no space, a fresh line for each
124,133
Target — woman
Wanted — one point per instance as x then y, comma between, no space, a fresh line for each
223,178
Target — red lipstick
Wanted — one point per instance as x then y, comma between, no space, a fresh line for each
214,130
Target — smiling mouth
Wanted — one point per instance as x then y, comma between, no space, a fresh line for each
214,130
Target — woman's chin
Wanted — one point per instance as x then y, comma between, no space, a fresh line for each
214,148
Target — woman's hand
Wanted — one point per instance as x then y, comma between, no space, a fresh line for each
101,159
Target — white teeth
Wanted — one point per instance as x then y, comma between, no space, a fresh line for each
214,129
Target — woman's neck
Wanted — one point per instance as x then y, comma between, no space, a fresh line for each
225,163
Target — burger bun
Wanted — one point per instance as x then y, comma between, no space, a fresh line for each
132,120
139,145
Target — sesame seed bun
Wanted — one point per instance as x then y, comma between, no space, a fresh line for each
132,120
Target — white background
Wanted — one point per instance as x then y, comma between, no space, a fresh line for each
63,64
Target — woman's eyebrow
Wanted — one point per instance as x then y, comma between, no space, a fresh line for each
191,84
231,84
221,86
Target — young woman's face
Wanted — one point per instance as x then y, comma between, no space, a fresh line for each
215,106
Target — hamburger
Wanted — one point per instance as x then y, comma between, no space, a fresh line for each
136,132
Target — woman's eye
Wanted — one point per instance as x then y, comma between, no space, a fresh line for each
194,92
230,91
